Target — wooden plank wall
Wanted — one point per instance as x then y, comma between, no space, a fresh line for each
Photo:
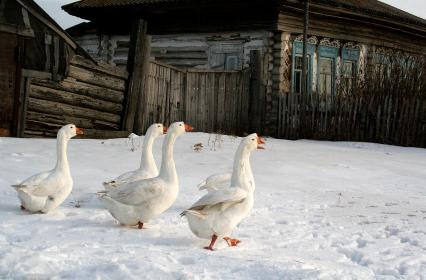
166,95
218,101
392,119
91,97
211,101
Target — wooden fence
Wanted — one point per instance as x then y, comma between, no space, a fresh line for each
397,120
91,97
211,101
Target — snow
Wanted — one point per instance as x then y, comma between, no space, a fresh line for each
323,210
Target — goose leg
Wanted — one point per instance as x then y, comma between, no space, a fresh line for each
210,247
140,225
231,242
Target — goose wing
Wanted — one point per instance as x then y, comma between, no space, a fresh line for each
228,195
38,184
127,178
215,182
35,179
137,192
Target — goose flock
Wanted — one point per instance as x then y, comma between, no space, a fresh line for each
136,197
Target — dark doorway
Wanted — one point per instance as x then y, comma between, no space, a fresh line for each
8,45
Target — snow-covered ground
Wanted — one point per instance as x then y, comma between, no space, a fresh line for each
322,210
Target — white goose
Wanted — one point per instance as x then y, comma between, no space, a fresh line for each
218,212
148,168
45,191
138,202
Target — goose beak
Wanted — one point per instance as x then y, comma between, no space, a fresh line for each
164,130
260,141
79,131
188,128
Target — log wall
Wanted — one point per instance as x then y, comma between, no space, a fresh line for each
91,97
200,51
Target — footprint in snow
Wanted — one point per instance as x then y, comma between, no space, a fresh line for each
388,204
361,243
391,213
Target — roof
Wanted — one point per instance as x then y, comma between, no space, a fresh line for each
374,7
365,7
106,3
33,8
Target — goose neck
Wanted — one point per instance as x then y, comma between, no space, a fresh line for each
168,168
147,159
241,171
62,159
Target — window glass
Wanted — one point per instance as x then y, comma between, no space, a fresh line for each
348,76
231,62
298,73
326,75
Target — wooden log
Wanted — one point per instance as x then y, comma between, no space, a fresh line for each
30,133
47,93
182,55
104,134
63,119
34,131
96,78
72,85
80,61
50,107
138,66
36,74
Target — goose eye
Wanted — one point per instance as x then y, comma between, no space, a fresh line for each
180,125
159,126
252,139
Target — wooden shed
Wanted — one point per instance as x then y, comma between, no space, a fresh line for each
47,80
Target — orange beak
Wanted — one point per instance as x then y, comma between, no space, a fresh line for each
164,130
79,131
260,141
188,128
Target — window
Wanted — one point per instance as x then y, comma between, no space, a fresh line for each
298,68
225,55
326,76
297,62
350,56
383,67
232,62
348,77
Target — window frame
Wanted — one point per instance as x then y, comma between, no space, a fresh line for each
351,55
330,53
298,52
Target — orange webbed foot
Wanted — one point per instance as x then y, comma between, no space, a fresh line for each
232,242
